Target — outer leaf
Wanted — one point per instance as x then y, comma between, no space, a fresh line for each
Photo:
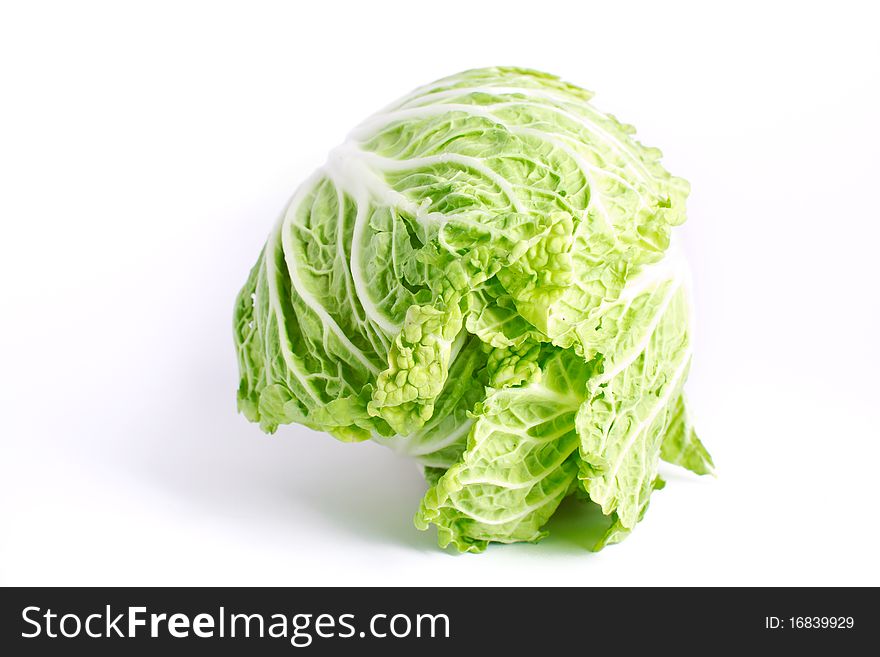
623,424
681,445
521,461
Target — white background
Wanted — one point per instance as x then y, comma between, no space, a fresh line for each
146,150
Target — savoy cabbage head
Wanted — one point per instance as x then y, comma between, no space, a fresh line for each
481,277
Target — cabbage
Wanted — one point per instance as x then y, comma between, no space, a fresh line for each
482,277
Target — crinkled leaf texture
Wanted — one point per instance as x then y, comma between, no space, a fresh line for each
481,276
